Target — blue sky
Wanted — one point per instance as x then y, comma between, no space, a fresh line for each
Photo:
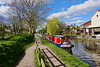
71,12
75,11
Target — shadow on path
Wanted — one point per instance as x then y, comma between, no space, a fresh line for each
20,59
59,64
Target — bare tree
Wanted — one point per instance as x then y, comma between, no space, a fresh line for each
32,11
14,23
63,26
2,26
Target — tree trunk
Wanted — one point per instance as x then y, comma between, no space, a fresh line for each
30,29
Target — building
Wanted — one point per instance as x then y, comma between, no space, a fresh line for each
83,27
95,24
92,27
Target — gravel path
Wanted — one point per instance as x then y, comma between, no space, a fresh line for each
27,60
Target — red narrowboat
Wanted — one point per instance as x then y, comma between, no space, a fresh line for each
60,41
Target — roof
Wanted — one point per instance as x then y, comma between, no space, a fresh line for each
67,31
98,10
61,36
91,26
58,35
95,13
86,23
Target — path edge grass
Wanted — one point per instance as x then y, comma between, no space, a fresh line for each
36,60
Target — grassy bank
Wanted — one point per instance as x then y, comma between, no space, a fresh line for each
11,48
69,60
36,60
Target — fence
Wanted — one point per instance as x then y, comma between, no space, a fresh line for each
39,56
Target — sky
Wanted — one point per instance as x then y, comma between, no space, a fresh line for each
69,11
74,11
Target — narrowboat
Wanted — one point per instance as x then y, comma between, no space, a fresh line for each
60,41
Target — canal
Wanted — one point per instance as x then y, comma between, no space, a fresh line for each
87,51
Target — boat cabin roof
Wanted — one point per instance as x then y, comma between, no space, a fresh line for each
62,36
58,35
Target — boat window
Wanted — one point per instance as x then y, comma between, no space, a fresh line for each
57,40
65,40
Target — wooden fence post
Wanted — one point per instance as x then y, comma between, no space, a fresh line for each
40,59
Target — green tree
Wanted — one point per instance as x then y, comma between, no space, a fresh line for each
68,28
73,27
53,26
43,30
78,28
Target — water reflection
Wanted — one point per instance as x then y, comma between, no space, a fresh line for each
88,51
69,50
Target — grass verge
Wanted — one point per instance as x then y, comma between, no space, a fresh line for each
36,60
11,48
69,60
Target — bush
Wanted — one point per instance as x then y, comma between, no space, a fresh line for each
11,49
69,60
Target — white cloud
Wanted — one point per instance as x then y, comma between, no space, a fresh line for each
7,1
77,10
76,18
78,21
4,10
4,1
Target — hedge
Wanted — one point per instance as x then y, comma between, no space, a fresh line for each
13,47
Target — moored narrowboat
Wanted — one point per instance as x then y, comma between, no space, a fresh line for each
60,41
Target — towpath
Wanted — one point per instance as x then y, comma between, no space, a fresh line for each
51,57
27,59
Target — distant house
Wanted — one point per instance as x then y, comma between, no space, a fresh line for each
83,27
94,28
68,32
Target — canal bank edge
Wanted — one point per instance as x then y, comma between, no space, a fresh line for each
86,38
69,60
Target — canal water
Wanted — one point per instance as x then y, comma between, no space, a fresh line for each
87,51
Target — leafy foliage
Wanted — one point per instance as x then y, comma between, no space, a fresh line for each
68,28
53,26
11,48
